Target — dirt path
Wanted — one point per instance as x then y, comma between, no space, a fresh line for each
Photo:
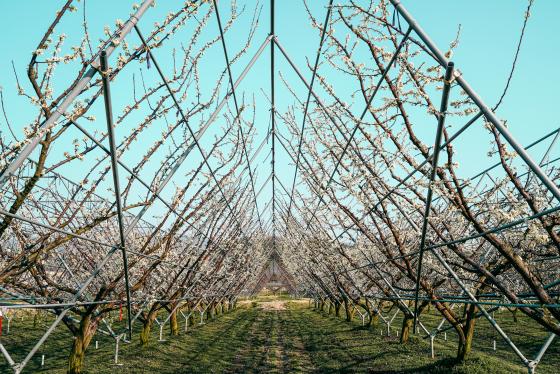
273,305
272,343
295,355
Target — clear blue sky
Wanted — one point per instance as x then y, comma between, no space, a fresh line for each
490,31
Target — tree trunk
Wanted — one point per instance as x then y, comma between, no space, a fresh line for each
82,338
192,319
210,312
337,306
465,345
408,321
373,319
373,316
406,327
348,310
514,314
146,328
173,324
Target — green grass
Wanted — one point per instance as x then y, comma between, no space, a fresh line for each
252,340
525,333
348,347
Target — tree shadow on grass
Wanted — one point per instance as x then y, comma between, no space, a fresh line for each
230,339
442,366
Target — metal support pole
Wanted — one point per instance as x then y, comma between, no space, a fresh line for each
161,339
117,340
306,107
432,346
488,113
368,104
273,125
79,87
545,156
114,166
20,218
7,355
533,363
19,366
480,307
398,297
437,144
232,85
193,135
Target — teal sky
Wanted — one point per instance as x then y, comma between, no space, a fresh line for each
490,31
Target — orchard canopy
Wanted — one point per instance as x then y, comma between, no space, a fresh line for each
189,154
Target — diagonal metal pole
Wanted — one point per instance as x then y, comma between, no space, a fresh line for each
480,307
157,192
437,147
232,85
349,139
273,116
531,145
488,113
80,86
534,362
397,295
60,317
65,232
105,72
545,156
465,183
134,175
203,129
191,132
306,108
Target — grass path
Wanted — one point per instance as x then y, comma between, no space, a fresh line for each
269,338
